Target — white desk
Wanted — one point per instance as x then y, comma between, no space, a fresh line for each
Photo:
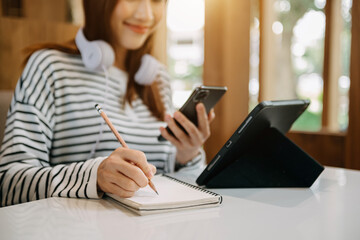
330,209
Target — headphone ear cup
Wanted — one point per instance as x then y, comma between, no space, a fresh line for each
95,54
148,70
92,56
108,55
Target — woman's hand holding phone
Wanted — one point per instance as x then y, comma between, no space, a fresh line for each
188,144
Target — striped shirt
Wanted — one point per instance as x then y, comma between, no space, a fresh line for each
54,138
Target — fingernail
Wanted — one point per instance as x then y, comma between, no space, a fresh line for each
150,174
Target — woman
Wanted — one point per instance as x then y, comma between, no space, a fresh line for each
56,144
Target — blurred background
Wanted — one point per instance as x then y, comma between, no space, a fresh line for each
260,49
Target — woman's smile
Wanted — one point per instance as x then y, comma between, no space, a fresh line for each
137,28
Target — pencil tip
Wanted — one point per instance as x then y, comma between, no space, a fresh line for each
157,193
96,105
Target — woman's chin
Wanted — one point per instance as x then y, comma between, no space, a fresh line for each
133,44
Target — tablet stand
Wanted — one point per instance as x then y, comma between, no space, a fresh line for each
272,160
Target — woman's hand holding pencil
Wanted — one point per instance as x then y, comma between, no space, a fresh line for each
125,170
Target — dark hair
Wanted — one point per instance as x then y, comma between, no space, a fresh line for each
97,27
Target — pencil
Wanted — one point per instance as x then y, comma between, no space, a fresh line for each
118,136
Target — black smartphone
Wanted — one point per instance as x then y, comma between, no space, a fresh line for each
208,95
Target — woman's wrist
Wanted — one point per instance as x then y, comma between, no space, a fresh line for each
185,157
195,160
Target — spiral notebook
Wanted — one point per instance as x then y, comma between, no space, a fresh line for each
174,195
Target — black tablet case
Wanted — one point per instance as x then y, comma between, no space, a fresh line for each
267,158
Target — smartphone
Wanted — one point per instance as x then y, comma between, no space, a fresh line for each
208,95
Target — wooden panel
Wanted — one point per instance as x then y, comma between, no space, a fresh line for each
353,135
16,34
267,65
332,65
328,149
326,91
227,41
46,10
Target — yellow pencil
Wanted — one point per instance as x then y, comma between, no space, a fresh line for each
118,136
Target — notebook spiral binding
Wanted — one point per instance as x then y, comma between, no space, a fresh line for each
194,187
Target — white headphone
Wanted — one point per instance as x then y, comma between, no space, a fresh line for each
98,54
148,70
95,54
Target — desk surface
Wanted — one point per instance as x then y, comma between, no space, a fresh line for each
330,209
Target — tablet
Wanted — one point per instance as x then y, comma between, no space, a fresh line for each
257,153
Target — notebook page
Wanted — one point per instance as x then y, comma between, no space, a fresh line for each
171,193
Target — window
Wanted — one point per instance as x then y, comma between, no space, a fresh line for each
298,49
185,46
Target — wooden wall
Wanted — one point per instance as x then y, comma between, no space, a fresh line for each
353,135
326,148
17,34
41,21
226,63
56,11
44,21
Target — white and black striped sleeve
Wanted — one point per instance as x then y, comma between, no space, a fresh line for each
26,172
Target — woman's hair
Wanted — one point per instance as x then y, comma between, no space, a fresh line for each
97,27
